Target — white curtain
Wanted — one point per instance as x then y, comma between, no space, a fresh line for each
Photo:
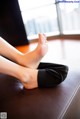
50,16
69,17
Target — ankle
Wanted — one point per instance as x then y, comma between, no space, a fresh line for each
20,59
23,74
29,78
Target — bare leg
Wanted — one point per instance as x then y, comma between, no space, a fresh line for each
9,51
30,59
27,76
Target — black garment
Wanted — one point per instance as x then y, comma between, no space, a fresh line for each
50,75
11,23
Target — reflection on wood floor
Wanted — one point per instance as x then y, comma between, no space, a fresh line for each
60,51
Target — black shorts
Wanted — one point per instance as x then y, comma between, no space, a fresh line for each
50,75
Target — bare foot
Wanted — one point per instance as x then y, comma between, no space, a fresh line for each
33,58
28,78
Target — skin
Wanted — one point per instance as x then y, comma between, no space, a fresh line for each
25,66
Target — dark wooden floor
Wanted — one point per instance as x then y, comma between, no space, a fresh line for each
62,102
